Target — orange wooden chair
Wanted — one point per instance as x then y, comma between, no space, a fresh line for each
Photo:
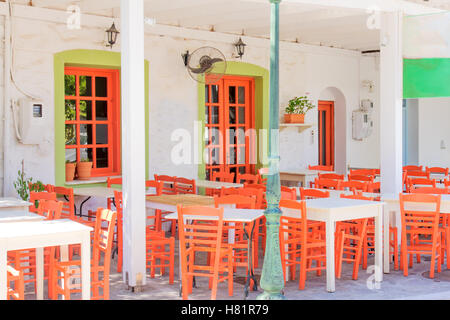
221,176
160,253
363,172
198,238
429,190
320,168
313,194
112,182
297,245
328,184
170,188
357,177
355,185
420,230
413,182
437,170
153,221
65,195
100,267
332,176
240,245
35,197
350,236
247,178
374,187
185,186
412,168
16,284
262,175
288,193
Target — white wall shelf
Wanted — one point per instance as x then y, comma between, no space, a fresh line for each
300,126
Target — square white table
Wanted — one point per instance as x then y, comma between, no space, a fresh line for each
332,210
300,176
19,216
13,204
393,205
40,234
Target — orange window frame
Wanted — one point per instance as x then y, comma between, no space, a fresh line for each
223,124
113,118
328,121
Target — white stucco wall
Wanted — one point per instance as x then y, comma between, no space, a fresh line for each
173,94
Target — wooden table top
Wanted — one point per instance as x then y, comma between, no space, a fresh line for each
183,199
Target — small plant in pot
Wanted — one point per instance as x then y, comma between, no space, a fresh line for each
84,168
296,110
70,170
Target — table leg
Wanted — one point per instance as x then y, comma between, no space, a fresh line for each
386,224
40,273
86,267
250,274
331,277
378,245
81,206
3,275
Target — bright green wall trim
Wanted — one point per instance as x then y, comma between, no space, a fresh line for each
426,78
90,59
236,68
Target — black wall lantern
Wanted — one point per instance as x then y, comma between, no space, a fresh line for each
112,33
240,47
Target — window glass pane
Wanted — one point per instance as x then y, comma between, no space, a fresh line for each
85,110
85,134
207,94
241,156
241,95
69,85
241,170
71,134
85,86
241,136
241,115
101,87
102,158
101,110
232,115
101,133
70,110
231,155
86,154
215,136
215,115
71,155
232,94
215,94
206,115
215,156
232,135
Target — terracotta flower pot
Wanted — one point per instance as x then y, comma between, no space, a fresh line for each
294,118
84,170
70,171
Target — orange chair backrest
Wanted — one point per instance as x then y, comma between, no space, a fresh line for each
35,198
112,181
321,168
170,185
356,184
430,190
241,201
447,183
105,223
332,176
440,170
157,185
420,174
358,177
184,186
247,178
50,209
357,197
68,211
293,227
256,186
223,176
412,168
374,187
328,184
421,181
313,194
423,221
253,192
288,193
363,172
262,172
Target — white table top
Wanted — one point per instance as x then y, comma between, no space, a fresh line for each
338,203
18,216
388,197
216,184
15,230
337,193
13,202
229,214
101,192
305,172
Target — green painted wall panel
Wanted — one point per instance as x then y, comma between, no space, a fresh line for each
426,78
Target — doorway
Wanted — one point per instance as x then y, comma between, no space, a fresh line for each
326,132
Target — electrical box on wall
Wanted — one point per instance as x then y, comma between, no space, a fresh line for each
362,124
32,121
366,105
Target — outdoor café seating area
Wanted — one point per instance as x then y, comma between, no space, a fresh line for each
213,237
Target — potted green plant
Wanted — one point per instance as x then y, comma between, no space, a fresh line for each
84,168
24,185
296,110
70,170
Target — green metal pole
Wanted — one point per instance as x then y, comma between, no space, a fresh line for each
272,274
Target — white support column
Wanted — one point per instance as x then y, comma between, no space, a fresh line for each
133,142
391,92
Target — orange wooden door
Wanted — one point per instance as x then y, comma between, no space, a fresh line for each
229,114
326,133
